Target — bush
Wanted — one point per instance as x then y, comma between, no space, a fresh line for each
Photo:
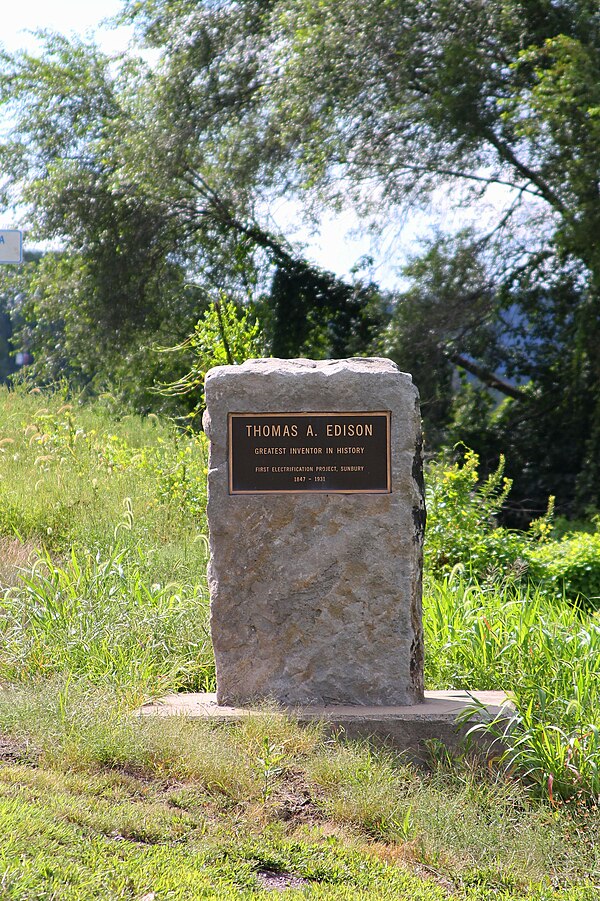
568,568
463,534
462,530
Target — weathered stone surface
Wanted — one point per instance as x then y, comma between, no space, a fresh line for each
316,598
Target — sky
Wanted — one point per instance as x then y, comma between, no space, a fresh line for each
17,20
335,246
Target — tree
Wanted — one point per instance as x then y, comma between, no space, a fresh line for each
520,397
92,308
138,173
413,95
387,104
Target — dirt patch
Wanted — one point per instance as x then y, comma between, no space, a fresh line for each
278,882
14,751
15,556
293,800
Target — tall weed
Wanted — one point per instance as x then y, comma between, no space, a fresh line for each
67,470
98,617
547,656
561,762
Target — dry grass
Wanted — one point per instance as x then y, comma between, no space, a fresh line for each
15,556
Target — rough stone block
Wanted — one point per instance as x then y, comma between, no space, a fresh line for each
316,597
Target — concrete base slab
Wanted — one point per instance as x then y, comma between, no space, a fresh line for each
410,729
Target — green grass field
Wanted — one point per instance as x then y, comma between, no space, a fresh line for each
103,603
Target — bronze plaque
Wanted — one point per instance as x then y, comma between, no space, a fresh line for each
279,453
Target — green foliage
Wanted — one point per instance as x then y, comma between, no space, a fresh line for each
519,348
69,471
509,637
107,836
353,814
462,512
312,313
270,760
91,310
80,328
147,237
121,504
463,534
367,788
544,655
134,227
480,100
226,335
561,765
92,627
569,567
470,96
448,306
408,103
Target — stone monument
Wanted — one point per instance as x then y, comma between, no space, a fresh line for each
316,518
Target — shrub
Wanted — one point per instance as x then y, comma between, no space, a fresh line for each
463,534
226,335
462,516
568,568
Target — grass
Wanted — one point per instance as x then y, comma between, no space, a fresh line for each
73,475
491,637
99,617
177,806
547,655
200,861
103,602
